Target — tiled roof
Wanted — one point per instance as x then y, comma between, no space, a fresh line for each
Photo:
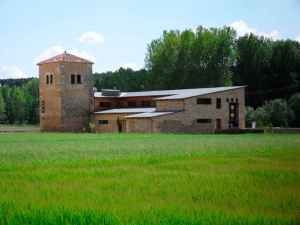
126,110
149,114
173,94
65,57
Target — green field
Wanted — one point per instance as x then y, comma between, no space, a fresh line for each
149,179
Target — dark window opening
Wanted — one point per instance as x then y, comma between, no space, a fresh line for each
47,79
203,101
78,79
105,104
219,103
102,122
51,79
131,104
146,103
72,79
203,120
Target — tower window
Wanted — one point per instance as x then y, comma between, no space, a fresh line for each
78,79
47,79
72,79
51,78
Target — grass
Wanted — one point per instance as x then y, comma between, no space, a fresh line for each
149,179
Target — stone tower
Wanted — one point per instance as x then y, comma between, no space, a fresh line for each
65,93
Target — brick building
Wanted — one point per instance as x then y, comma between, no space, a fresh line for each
68,103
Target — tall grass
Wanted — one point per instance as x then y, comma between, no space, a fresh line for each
149,179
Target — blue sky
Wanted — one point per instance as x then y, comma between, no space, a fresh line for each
116,33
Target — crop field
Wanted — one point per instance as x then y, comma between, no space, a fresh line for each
53,178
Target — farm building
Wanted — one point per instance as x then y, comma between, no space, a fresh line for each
69,102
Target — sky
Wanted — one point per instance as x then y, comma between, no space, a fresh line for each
116,33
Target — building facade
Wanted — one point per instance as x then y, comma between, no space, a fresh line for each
68,103
65,93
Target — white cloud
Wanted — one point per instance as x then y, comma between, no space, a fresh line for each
11,71
243,28
298,38
91,38
57,49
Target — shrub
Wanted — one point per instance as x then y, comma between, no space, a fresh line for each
294,104
279,112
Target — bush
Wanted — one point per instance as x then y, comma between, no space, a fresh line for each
274,113
294,104
279,112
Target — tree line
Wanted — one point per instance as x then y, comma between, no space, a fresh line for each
214,57
205,57
19,101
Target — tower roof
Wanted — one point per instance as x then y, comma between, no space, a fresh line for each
65,57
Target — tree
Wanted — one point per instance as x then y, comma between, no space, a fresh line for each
279,112
2,107
253,66
294,104
191,59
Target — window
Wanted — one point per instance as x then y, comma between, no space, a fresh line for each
131,104
102,122
78,79
146,103
105,104
72,79
203,101
47,79
51,78
219,103
203,120
43,106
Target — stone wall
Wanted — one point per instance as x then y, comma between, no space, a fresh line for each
67,106
186,121
139,125
169,105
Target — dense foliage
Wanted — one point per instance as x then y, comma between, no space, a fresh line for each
20,104
214,57
276,113
190,59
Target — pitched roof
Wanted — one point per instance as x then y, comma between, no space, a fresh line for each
65,57
173,94
149,114
126,110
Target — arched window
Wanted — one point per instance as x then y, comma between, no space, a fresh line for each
51,78
78,79
72,78
47,79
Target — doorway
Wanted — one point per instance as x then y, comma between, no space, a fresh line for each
218,124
